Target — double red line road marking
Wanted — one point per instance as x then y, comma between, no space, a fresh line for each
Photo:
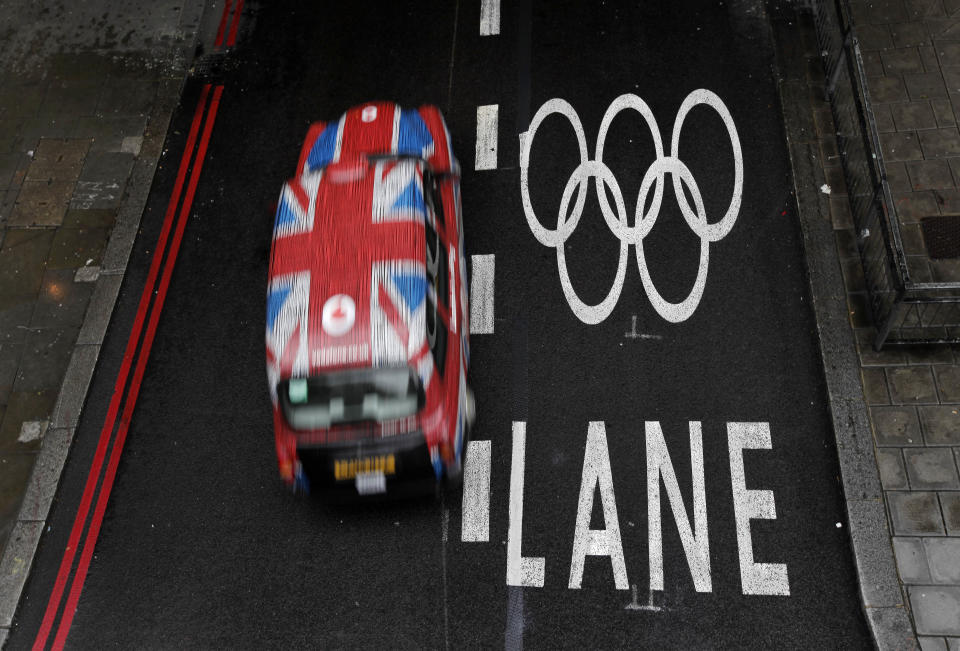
231,36
148,311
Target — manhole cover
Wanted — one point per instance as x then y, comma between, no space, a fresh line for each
942,235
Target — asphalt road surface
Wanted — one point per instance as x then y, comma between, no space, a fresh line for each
719,413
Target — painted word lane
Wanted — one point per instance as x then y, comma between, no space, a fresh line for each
597,479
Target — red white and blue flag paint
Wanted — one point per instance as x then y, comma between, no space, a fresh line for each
348,284
359,236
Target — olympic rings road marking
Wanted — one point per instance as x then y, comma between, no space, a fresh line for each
617,221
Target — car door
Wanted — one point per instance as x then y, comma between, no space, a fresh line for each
446,323
439,312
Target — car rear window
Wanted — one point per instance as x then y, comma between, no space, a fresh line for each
350,396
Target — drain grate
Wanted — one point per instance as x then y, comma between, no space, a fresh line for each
942,235
212,66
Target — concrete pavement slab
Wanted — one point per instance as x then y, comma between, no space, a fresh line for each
128,96
24,406
57,159
9,361
108,131
950,503
936,609
929,174
896,426
875,386
928,355
911,385
943,557
76,218
22,99
46,354
893,476
62,302
901,147
23,259
915,513
932,643
911,559
42,203
72,97
948,382
73,248
931,469
15,314
940,143
102,181
918,115
8,199
941,424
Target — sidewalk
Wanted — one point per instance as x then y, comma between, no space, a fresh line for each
910,396
911,52
86,95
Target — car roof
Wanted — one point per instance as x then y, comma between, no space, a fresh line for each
353,232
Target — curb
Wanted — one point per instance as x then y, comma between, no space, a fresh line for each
880,591
17,560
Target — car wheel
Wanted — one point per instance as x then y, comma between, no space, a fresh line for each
453,479
470,411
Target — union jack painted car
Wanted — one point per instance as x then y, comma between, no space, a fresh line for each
367,338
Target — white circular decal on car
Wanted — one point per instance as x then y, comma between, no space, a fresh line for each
339,313
369,113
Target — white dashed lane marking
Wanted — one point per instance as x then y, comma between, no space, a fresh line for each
476,493
486,155
489,17
481,294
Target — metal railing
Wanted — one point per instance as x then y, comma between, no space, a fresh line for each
903,311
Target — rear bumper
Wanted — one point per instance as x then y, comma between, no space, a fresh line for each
402,460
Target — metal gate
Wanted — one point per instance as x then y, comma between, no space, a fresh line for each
903,311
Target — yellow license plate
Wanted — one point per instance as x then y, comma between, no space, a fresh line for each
344,469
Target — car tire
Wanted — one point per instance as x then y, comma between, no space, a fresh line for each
470,411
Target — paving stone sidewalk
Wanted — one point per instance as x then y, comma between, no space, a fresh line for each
86,94
911,53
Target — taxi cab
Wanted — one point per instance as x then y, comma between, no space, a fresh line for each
367,339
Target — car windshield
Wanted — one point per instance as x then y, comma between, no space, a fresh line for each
350,396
